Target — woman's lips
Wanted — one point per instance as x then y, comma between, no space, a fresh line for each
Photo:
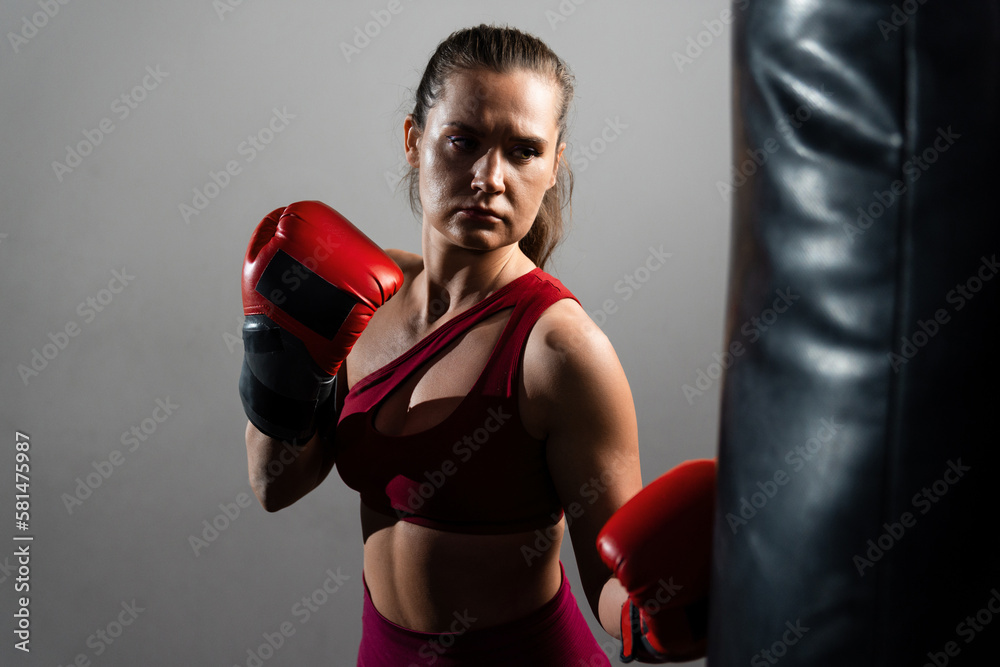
481,214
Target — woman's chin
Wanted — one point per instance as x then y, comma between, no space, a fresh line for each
473,238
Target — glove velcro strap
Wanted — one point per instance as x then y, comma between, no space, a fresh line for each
296,289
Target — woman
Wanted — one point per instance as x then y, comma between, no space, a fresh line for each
481,411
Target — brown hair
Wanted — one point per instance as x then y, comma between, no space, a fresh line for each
502,49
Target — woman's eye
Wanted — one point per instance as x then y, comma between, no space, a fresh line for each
462,142
522,153
525,153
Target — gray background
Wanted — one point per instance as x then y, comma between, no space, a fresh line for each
172,332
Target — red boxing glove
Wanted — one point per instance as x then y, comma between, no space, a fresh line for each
309,239
311,283
659,545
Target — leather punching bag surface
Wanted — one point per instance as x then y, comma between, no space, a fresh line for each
859,496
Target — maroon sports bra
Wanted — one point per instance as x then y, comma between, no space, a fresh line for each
478,471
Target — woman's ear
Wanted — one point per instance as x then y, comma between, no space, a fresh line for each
411,141
555,166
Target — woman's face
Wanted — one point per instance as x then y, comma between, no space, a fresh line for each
486,156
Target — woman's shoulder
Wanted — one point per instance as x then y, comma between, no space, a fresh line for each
569,366
565,330
566,346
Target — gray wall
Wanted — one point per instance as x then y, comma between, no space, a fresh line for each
659,128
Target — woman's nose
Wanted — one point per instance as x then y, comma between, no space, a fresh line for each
488,175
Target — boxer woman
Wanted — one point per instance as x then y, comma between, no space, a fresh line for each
481,411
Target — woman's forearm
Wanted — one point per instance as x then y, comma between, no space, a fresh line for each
281,473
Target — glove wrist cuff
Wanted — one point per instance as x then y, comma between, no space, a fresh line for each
628,633
284,393
635,646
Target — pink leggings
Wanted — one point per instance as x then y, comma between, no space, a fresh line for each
554,635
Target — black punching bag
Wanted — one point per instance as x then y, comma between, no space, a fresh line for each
858,493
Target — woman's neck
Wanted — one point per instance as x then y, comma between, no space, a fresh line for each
455,278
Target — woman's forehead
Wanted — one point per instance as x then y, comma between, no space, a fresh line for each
476,97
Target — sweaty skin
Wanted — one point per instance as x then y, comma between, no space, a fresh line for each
486,156
498,152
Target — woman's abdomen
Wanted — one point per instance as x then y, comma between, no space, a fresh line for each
432,580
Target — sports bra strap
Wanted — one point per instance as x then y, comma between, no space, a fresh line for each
502,369
500,373
445,335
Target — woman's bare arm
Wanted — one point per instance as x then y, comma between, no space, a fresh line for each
592,438
281,473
